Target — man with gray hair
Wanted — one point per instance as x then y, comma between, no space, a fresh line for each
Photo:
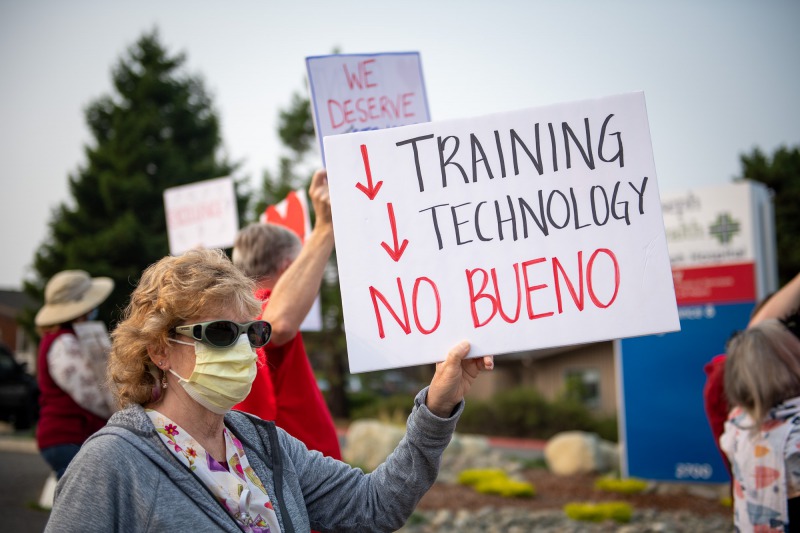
288,275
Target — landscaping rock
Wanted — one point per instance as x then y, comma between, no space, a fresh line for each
579,452
369,443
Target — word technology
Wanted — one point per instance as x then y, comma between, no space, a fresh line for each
535,213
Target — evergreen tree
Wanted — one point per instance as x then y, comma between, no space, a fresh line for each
781,173
157,130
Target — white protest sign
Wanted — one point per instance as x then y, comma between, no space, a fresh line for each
201,214
359,92
515,231
292,213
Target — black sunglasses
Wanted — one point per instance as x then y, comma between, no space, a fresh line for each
225,333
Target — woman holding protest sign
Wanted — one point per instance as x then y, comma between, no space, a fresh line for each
178,456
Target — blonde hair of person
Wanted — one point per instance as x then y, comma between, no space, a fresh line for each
762,368
173,291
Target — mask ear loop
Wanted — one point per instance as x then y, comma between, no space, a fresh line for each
155,393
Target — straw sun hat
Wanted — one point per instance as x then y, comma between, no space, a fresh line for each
71,294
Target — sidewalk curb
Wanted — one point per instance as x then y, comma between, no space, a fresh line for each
18,445
517,444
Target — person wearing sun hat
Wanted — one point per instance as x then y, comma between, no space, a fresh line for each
72,403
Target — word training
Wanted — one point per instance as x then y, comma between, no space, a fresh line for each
525,151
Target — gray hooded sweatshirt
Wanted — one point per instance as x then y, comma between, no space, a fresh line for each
125,479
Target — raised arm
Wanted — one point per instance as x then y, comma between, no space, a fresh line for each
780,304
341,498
296,289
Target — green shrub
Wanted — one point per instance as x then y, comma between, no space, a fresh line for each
568,415
390,408
586,512
597,512
621,486
477,418
518,409
476,475
618,511
362,401
507,488
496,481
513,413
416,519
534,463
518,412
523,412
606,428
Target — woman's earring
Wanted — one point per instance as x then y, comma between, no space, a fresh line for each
164,380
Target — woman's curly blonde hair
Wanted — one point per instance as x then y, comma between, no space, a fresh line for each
172,291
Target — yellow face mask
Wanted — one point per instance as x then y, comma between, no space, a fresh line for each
222,377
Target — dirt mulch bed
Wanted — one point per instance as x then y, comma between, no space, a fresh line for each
553,492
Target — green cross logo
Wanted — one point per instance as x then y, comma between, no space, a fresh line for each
724,228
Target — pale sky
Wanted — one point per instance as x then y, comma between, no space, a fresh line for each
720,77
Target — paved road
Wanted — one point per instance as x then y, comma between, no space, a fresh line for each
22,476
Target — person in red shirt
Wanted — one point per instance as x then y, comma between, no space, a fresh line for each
288,275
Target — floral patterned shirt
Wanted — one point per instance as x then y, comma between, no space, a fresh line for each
236,487
766,466
71,371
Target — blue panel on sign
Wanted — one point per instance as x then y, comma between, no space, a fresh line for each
667,434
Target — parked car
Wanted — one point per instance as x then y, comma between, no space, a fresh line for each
19,392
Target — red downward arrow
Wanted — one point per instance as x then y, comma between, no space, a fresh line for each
396,252
369,190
